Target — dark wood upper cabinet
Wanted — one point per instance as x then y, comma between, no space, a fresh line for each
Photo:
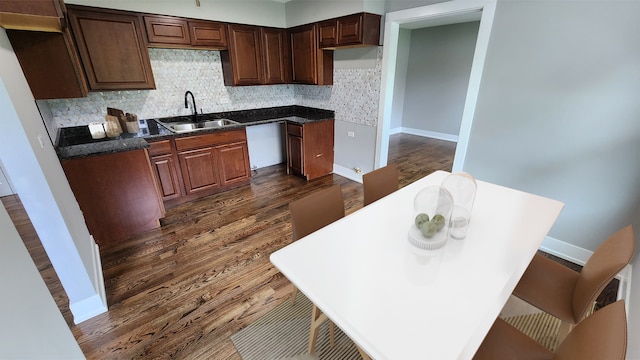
112,48
275,54
50,63
171,31
208,34
48,58
256,56
362,29
309,63
328,33
33,15
163,30
242,63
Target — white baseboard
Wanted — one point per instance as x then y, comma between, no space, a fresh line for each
424,133
346,172
97,303
569,252
87,308
578,255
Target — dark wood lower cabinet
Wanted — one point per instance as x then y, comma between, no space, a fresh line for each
190,167
199,170
116,193
310,149
295,155
233,163
168,180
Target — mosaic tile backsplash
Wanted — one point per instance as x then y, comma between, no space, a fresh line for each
354,96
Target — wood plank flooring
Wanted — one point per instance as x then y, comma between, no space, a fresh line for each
182,290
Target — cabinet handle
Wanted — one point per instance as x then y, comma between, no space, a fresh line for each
318,155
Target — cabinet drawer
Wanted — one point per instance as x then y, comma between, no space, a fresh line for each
217,138
160,147
294,129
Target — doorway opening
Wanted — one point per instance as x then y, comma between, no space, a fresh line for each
397,25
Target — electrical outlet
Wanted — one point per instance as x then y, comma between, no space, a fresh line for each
351,134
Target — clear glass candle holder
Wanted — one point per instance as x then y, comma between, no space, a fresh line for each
432,208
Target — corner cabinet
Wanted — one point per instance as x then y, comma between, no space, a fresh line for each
190,167
256,56
309,63
112,48
310,148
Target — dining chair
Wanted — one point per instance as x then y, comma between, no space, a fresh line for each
309,214
380,183
602,335
570,295
313,212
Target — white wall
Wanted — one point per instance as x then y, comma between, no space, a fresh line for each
437,77
253,12
557,115
32,326
299,12
37,176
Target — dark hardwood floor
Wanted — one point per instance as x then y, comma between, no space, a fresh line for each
182,290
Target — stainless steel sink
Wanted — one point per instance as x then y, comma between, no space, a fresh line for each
182,127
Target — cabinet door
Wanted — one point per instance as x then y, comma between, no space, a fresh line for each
318,149
162,30
303,59
167,175
274,54
328,33
208,33
242,64
295,155
233,160
199,170
112,49
309,63
350,30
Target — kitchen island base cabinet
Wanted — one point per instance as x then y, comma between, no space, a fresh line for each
310,149
116,194
191,167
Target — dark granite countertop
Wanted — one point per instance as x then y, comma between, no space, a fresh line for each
76,141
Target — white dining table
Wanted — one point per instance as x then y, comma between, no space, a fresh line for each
400,302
